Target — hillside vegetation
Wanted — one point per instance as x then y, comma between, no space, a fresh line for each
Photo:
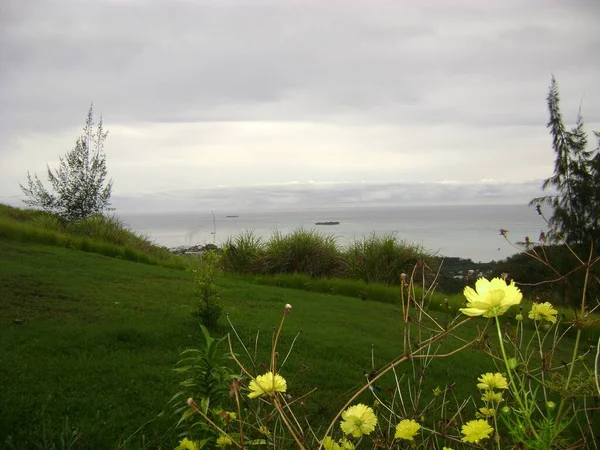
92,328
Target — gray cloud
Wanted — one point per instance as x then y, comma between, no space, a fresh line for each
324,195
425,87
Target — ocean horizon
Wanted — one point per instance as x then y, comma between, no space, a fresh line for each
466,231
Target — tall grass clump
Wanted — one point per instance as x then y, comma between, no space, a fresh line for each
21,215
303,251
245,253
374,259
381,259
112,229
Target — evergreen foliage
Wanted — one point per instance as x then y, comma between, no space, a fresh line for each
78,185
576,179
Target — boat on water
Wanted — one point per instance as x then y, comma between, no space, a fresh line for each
327,223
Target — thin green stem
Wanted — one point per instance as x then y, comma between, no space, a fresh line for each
513,385
274,350
562,405
542,361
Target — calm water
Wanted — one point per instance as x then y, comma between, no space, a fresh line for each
465,231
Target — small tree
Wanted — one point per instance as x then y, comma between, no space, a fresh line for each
576,179
79,184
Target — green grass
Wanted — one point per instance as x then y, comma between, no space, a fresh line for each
95,340
374,292
91,336
104,235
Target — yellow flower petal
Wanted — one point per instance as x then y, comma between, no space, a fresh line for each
358,420
482,286
490,298
543,311
470,294
491,396
345,444
476,430
490,381
186,444
407,429
330,444
485,413
267,384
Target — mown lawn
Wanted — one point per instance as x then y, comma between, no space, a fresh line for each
95,340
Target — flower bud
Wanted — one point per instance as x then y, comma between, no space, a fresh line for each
551,406
519,317
288,308
505,410
513,363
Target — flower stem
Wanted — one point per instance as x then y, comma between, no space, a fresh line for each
274,350
562,405
512,380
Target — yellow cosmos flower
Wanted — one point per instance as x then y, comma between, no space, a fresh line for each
407,429
223,441
491,298
345,444
490,381
491,396
330,444
475,430
543,311
267,384
358,420
486,413
186,444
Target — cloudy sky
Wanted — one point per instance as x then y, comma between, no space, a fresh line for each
268,103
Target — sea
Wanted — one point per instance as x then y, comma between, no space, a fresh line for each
466,231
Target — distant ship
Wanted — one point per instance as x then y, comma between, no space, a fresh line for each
231,216
327,223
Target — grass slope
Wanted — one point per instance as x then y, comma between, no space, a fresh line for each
95,339
100,337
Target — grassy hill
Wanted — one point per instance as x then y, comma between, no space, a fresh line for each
89,343
96,339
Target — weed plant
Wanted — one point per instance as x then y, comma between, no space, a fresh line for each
208,306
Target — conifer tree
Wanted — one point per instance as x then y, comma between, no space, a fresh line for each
78,185
576,180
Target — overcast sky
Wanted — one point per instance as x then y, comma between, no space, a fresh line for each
269,103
